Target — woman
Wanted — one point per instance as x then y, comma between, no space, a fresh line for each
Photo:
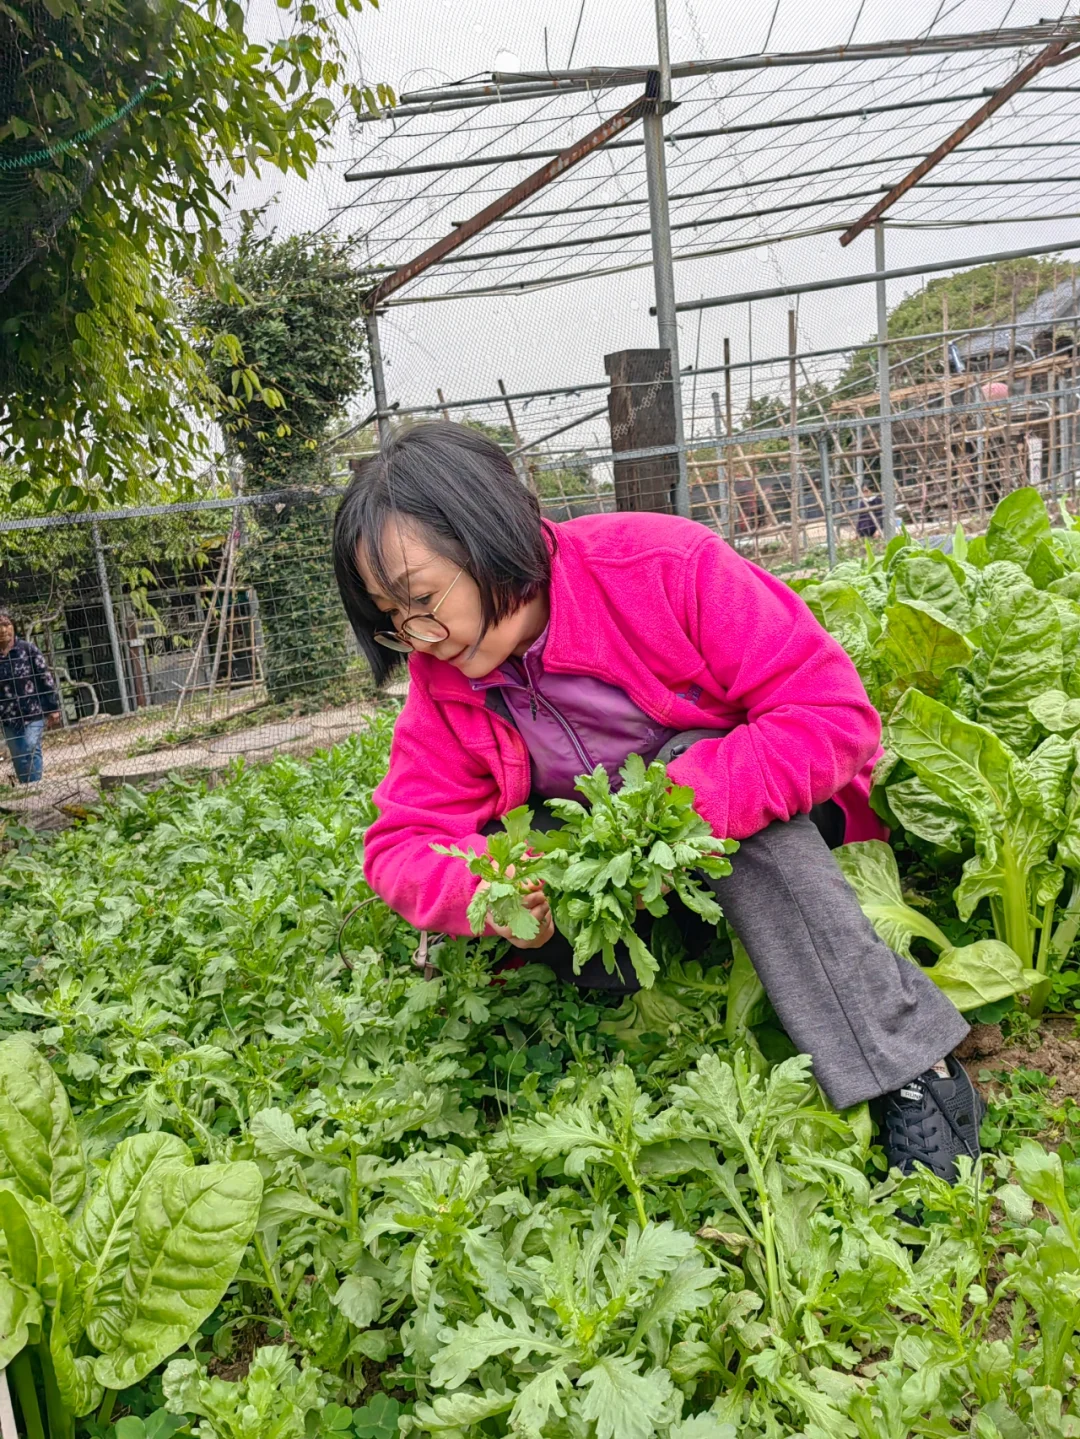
537,650
29,702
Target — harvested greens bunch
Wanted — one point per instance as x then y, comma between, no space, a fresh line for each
605,864
506,869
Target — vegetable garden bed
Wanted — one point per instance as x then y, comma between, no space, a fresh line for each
455,1207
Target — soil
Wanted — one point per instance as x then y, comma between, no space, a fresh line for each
248,1339
1055,1050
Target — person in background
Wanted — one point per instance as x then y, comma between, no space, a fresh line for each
868,521
29,701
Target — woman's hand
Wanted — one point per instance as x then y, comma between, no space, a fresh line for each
536,902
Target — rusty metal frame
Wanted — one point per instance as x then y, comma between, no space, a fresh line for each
1054,54
524,190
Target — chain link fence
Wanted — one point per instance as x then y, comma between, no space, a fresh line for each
184,637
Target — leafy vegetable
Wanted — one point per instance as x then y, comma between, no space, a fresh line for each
621,855
506,868
488,1210
140,1268
974,661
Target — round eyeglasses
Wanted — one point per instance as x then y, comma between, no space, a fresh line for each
418,629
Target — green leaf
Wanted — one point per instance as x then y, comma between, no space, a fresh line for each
918,648
277,1137
24,1253
359,1299
20,1311
101,1236
1041,1174
1019,658
455,1415
469,1346
622,1403
1056,712
929,581
870,867
1017,525
981,973
922,812
378,1418
190,1232
963,763
40,1151
538,1401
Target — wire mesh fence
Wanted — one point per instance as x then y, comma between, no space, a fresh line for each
181,637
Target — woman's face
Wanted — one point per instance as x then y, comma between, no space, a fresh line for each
7,634
426,577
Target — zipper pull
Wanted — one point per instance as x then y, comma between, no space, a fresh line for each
532,701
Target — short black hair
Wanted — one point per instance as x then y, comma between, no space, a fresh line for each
463,491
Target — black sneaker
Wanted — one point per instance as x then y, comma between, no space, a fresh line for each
931,1121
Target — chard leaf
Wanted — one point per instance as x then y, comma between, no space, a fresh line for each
930,582
622,1403
869,866
1019,658
20,1312
75,1380
101,1236
917,648
1017,525
965,764
980,973
1056,712
926,814
190,1232
40,1153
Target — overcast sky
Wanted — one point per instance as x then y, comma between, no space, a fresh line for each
560,336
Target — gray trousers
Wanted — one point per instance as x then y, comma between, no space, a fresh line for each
870,1019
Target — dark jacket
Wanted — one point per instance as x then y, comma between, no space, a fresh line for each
27,689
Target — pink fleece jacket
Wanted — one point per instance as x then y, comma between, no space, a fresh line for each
699,638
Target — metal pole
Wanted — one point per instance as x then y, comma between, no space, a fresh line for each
110,619
826,495
841,282
730,431
667,324
723,474
378,378
793,453
888,485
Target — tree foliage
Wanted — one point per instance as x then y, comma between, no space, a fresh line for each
978,297
127,129
298,325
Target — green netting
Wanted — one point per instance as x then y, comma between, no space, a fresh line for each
71,75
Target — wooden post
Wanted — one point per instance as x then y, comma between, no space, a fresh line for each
442,401
793,457
641,413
